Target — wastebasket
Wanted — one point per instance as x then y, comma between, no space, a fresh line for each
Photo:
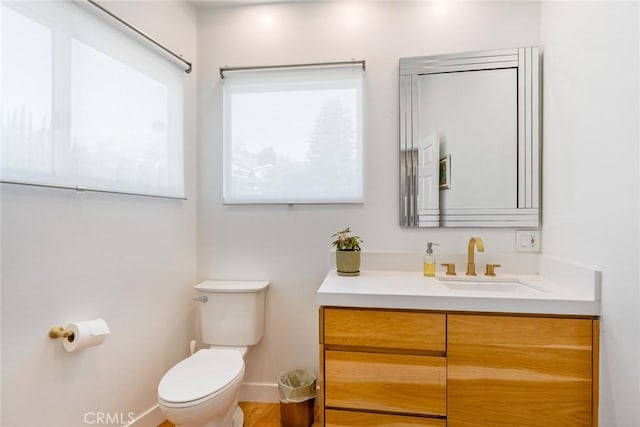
297,389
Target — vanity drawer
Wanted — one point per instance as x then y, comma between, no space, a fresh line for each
401,383
337,418
402,330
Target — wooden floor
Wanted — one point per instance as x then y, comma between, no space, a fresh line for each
258,415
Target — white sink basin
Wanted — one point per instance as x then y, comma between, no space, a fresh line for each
487,285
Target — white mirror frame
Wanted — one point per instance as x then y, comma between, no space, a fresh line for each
527,212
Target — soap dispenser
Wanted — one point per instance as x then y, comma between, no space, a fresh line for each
429,261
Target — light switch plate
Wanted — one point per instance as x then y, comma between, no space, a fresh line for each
527,241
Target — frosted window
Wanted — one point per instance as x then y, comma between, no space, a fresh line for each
26,89
87,105
293,136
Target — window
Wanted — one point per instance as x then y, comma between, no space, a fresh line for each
293,135
85,105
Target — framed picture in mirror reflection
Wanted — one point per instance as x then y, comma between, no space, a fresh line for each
445,172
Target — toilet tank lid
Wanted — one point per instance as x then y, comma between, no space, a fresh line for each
232,285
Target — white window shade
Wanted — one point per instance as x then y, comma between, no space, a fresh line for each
294,135
85,105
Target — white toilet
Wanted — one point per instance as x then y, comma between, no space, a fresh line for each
202,390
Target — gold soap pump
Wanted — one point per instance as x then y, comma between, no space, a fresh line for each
429,261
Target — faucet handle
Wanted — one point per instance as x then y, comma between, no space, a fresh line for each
490,271
451,268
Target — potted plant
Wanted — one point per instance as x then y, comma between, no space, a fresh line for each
347,252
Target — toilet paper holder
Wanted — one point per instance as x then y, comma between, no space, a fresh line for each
59,332
80,335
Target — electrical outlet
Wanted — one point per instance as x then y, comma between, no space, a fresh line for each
527,241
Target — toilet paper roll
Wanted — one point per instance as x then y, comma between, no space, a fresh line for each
85,334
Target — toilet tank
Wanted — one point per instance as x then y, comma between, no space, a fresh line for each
233,314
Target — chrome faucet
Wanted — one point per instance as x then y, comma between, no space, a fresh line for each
471,266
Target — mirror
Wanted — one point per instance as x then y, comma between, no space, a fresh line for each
469,139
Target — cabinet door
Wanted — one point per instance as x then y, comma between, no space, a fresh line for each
337,418
408,384
398,330
519,371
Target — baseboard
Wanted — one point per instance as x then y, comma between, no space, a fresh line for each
259,392
152,417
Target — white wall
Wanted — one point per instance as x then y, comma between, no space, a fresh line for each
130,260
591,182
289,246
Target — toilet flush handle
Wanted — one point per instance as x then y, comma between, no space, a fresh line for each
202,298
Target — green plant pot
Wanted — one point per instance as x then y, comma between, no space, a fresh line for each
348,263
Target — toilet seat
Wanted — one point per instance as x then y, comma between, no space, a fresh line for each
200,377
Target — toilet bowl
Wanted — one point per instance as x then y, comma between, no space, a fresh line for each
202,390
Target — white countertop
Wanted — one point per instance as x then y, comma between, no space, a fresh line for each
411,290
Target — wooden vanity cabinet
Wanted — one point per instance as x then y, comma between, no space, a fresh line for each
382,367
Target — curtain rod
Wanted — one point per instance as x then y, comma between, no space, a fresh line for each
81,190
268,67
139,32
